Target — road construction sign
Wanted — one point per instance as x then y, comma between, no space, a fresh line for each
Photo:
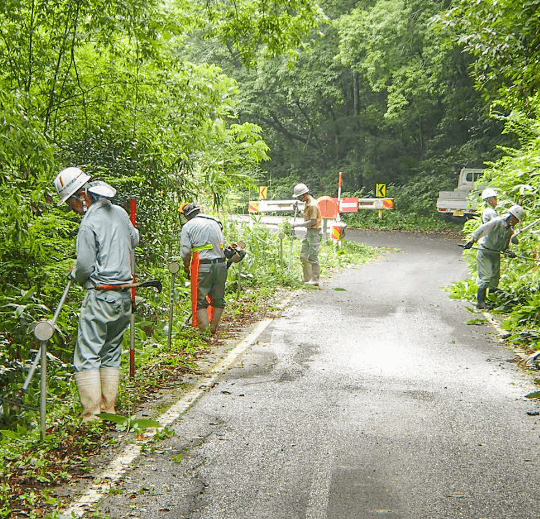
338,231
376,203
270,206
263,192
348,205
381,190
328,206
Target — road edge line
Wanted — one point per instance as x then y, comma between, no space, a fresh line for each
103,482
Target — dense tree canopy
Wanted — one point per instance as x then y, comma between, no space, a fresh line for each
379,91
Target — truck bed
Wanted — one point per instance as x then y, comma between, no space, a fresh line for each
455,203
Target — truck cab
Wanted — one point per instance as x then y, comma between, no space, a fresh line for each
456,203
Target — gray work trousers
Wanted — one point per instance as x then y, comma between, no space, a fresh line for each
489,268
103,320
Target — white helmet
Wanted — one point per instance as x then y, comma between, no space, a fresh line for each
299,190
69,181
488,193
517,211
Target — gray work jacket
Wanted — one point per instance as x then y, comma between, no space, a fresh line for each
200,232
105,243
494,235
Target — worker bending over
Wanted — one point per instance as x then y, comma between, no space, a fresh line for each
105,245
494,238
201,249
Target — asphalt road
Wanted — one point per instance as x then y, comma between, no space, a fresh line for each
375,400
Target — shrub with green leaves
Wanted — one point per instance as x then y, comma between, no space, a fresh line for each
516,177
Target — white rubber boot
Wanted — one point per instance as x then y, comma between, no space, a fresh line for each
306,268
316,271
202,317
110,379
215,319
89,386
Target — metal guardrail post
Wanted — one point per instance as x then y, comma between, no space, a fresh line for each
174,268
43,331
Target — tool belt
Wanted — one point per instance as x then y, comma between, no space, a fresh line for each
217,260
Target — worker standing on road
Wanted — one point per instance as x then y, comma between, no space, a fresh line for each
202,250
494,238
309,254
105,244
489,196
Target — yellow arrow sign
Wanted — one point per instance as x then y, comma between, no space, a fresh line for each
263,192
381,190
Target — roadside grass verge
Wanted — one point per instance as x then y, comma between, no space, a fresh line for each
31,469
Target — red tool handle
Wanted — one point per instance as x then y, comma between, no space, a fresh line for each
133,218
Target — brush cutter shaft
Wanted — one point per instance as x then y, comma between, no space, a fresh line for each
156,283
528,227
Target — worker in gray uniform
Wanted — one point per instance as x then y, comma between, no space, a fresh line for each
493,238
489,196
309,253
202,236
105,246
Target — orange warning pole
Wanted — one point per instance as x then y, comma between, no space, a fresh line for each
133,218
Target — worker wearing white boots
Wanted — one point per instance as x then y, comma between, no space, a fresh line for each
202,251
309,254
105,245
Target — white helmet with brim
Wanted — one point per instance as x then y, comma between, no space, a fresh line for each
488,193
69,181
517,211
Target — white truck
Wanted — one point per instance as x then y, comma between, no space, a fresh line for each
456,203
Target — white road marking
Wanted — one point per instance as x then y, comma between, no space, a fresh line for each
116,468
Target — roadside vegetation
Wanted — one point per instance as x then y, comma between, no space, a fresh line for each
180,101
31,468
517,179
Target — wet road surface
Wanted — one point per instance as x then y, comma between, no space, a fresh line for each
374,400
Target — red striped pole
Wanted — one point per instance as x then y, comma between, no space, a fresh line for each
133,218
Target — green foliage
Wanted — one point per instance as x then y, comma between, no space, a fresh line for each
130,423
247,25
504,39
517,180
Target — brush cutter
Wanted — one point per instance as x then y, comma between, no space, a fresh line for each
43,331
507,253
536,222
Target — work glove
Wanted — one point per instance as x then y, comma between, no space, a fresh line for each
468,245
515,240
511,254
